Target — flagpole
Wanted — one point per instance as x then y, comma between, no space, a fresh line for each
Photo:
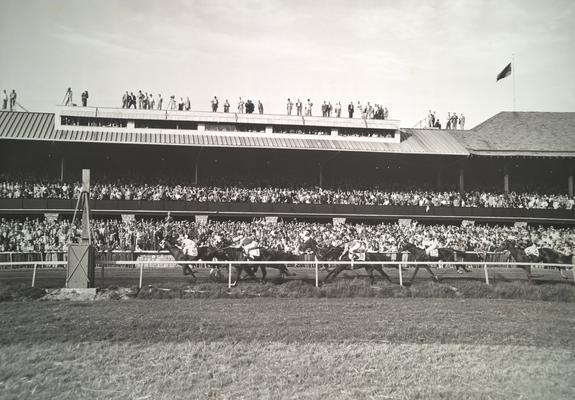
513,72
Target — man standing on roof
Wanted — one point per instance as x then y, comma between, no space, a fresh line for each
215,104
289,106
298,107
68,97
462,121
4,100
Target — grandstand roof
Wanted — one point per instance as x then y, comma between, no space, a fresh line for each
511,134
40,126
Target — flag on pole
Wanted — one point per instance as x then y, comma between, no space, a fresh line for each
505,73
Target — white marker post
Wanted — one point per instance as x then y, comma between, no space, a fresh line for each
316,273
486,274
229,275
141,274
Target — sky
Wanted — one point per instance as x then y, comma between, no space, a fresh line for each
411,56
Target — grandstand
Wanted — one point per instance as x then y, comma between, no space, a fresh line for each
511,151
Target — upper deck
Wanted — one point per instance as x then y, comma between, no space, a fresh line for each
193,122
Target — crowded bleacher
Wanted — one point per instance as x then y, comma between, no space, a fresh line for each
29,187
42,235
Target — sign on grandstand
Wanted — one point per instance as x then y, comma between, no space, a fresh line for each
271,220
338,221
201,219
51,217
520,224
467,222
404,221
126,218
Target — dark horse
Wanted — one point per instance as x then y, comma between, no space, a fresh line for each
204,253
420,255
547,255
237,254
518,255
369,268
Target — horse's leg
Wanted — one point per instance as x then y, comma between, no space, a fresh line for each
379,269
563,273
335,272
414,273
264,272
428,268
191,272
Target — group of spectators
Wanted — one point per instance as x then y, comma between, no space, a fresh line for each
244,107
69,101
256,193
8,100
368,111
145,101
453,121
55,235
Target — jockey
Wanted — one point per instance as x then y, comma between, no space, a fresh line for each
309,244
247,243
532,251
430,245
354,248
189,246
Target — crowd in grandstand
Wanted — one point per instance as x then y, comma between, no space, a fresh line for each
254,192
453,121
42,235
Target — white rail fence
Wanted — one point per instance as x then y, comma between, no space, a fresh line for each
306,264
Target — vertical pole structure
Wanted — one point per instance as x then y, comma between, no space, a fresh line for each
486,274
400,275
62,169
461,180
102,272
34,275
438,178
570,182
506,178
197,167
316,273
141,274
86,212
229,275
321,174
513,72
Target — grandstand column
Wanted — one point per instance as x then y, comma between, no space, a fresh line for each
437,177
506,178
570,182
62,169
197,167
321,174
461,179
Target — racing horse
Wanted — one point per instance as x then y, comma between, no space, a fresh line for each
548,255
369,268
419,255
262,254
518,255
204,253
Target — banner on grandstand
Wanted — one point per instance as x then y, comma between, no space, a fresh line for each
201,219
126,218
404,221
338,221
271,219
51,217
467,222
520,224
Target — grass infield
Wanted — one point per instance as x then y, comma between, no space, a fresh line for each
360,348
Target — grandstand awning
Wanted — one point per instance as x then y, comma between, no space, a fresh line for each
40,127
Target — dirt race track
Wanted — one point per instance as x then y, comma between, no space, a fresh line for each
126,277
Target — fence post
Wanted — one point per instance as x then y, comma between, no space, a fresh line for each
486,274
400,275
141,274
34,276
229,275
103,277
316,273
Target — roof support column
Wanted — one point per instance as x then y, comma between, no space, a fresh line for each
197,167
321,174
570,182
506,177
461,179
62,162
